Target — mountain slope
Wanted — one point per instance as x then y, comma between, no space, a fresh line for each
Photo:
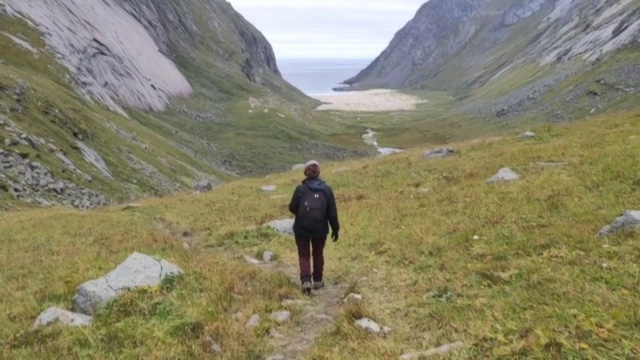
123,98
457,44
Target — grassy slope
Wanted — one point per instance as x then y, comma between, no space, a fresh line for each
537,284
54,111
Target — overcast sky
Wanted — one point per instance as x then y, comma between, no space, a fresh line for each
328,28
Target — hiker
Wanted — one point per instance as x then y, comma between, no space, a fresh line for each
315,208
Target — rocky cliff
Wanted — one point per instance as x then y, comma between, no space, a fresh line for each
462,44
112,100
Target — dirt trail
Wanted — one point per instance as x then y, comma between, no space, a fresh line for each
318,313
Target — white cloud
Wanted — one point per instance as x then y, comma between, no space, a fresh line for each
328,28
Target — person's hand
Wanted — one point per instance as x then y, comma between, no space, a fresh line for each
334,236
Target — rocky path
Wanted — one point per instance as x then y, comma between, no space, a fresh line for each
318,312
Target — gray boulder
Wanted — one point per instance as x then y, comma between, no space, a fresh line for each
284,226
203,186
281,316
504,174
628,220
138,270
438,153
527,135
92,157
65,317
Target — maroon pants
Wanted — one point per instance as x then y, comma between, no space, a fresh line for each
305,254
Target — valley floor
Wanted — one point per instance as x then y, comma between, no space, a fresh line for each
511,270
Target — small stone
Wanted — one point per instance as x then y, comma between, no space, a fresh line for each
131,206
276,357
281,316
423,190
352,297
439,153
369,325
252,261
504,174
253,322
11,142
339,170
65,317
476,237
386,330
269,188
203,186
297,167
267,256
437,351
527,135
214,346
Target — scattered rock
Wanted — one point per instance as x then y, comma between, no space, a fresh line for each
527,135
92,157
297,167
253,322
284,226
276,357
628,220
439,153
131,206
252,261
203,186
504,174
352,297
65,317
281,316
269,188
369,325
267,256
437,351
11,142
213,345
137,270
423,190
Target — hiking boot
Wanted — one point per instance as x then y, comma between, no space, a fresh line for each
318,285
306,287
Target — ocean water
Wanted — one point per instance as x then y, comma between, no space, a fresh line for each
318,76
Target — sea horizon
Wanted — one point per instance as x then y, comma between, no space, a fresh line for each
318,76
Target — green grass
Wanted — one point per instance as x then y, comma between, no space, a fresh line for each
537,284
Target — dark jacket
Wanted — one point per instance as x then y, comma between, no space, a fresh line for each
332,210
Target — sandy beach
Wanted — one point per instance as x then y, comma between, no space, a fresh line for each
377,100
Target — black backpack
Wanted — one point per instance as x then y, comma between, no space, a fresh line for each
312,214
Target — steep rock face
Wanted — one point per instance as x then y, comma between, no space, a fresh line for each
108,45
107,51
453,44
439,30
